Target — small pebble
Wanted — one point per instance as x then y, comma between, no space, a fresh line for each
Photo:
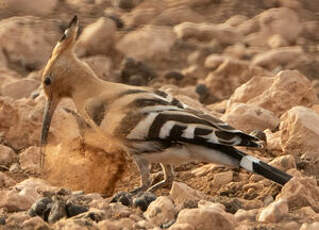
124,198
41,207
63,192
174,75
2,220
58,211
143,200
73,209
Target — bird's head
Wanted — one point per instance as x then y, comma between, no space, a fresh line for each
57,77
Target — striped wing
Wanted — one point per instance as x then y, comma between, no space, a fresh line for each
169,120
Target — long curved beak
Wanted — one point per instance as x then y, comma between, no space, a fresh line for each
49,109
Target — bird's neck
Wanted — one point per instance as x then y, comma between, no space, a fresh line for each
85,84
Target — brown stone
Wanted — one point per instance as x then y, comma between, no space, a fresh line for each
30,159
6,181
300,192
224,33
274,212
7,155
26,7
161,211
26,52
148,42
181,193
279,21
230,75
278,57
204,219
298,132
248,118
274,94
35,223
97,38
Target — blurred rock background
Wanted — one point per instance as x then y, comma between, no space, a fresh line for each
252,63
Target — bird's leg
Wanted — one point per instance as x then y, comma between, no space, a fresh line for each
143,166
168,178
82,125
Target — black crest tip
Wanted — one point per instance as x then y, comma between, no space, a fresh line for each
73,21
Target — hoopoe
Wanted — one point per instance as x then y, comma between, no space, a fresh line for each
149,124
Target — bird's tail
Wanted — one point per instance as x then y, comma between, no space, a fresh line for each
257,166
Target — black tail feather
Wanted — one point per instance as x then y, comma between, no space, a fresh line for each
271,173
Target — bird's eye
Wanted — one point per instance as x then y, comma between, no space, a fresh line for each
47,81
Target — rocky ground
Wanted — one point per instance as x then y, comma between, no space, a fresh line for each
252,63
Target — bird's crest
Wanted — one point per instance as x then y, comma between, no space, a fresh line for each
68,39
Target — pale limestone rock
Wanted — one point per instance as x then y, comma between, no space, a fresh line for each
80,5
298,132
273,142
20,88
274,93
205,218
242,215
251,89
34,223
176,15
278,57
236,20
274,212
202,204
78,224
312,226
248,118
223,33
97,38
300,192
284,162
30,159
310,29
148,42
7,155
214,60
143,224
160,211
181,193
194,71
292,4
222,178
249,26
279,21
187,94
205,169
306,212
291,225
277,41
125,223
25,7
17,219
23,195
182,227
3,60
144,13
20,122
229,75
7,76
27,40
6,181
